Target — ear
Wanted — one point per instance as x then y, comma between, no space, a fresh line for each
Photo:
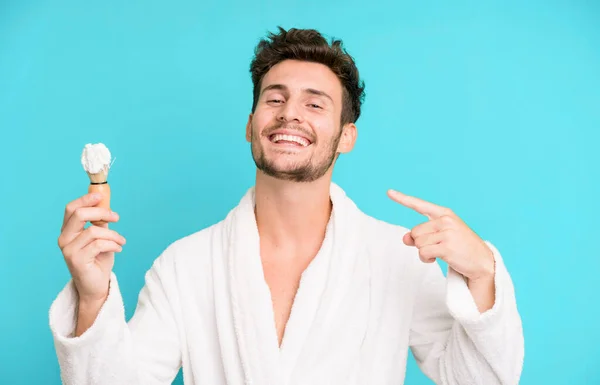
249,129
348,138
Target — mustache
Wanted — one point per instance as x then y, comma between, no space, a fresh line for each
292,127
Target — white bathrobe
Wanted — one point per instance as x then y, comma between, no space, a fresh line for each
364,300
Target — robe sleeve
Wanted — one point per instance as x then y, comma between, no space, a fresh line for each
144,351
453,343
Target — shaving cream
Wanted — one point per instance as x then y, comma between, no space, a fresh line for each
95,158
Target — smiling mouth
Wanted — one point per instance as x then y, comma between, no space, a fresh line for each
292,140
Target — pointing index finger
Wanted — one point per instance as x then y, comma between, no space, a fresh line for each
421,206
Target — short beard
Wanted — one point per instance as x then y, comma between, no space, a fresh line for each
308,172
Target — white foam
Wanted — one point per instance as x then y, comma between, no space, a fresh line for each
95,158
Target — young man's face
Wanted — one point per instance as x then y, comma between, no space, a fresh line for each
295,129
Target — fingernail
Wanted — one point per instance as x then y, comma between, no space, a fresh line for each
114,214
96,196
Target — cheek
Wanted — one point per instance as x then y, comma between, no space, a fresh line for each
263,119
327,129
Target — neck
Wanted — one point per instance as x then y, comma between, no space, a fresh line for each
292,214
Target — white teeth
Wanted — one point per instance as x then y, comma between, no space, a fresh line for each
290,138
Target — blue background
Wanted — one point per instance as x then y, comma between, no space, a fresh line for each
491,109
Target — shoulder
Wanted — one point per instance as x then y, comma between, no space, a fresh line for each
386,235
192,250
386,247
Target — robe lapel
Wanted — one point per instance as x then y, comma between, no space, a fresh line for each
305,306
252,308
329,316
336,298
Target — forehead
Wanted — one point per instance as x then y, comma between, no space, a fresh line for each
297,75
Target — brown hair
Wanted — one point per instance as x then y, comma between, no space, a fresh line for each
310,45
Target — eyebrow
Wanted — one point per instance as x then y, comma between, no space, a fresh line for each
312,91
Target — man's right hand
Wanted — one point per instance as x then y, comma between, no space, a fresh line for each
89,254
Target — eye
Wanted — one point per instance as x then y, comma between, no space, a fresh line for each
275,101
312,105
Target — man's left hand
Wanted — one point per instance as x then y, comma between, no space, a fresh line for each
447,237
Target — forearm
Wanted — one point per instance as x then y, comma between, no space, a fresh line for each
483,291
488,339
95,344
485,340
87,312
483,285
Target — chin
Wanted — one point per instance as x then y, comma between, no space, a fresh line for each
286,157
285,165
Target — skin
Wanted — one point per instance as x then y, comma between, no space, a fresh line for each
292,216
292,201
89,254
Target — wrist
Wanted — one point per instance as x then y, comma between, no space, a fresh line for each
483,282
87,312
91,299
487,272
87,304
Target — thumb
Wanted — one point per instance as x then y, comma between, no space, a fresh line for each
408,239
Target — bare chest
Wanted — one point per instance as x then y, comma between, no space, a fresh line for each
283,278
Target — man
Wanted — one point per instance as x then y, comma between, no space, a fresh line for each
295,285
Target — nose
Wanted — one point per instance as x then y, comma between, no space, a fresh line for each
289,112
